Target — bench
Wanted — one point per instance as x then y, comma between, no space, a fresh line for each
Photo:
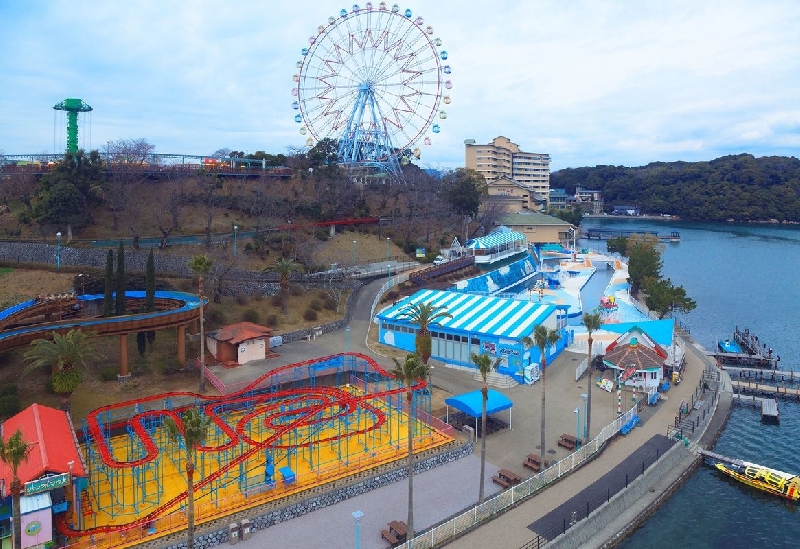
391,538
628,427
502,482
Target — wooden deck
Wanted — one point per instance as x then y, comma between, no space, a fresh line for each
759,388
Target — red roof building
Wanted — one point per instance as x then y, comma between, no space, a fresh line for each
239,343
53,444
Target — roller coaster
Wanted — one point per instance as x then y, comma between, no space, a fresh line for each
298,427
151,165
60,313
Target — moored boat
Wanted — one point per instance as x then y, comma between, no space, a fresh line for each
728,346
772,481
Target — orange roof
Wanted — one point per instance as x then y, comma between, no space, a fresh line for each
243,331
52,440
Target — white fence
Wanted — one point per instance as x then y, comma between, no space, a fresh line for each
498,503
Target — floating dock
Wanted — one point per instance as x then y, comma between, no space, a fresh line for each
769,407
605,234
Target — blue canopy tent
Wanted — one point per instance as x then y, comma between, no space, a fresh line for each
472,404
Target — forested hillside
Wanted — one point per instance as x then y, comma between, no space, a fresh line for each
739,187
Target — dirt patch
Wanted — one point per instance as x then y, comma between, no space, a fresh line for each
18,285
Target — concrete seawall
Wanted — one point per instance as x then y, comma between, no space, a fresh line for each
622,514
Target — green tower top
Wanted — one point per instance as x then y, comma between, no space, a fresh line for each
73,107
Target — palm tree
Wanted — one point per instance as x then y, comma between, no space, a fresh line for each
485,365
424,315
191,433
410,372
592,323
284,268
13,453
543,338
61,354
201,266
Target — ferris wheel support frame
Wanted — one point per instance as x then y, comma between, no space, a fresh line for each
372,146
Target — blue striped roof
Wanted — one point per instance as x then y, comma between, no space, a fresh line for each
495,239
477,314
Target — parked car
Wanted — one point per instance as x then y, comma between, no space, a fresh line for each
439,260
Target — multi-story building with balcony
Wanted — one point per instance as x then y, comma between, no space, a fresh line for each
503,159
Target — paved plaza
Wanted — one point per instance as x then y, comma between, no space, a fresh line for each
450,488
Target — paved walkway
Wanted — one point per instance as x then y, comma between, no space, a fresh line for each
453,487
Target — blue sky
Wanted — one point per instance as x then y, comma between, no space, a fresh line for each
589,82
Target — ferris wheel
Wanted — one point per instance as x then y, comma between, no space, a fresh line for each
375,80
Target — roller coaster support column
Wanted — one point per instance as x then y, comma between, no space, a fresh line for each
123,356
182,345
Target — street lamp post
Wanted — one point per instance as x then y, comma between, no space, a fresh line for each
58,251
585,397
357,515
387,249
578,427
83,283
347,338
354,253
235,232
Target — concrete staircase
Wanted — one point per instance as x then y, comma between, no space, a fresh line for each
498,380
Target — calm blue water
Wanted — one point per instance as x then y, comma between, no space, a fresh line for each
741,275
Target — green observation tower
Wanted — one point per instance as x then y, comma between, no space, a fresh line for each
73,107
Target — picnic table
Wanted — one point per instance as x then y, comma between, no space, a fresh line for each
568,441
396,533
506,478
533,461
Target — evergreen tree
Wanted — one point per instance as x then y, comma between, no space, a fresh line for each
120,286
150,284
141,343
150,292
108,285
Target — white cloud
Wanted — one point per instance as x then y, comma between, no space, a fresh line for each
587,82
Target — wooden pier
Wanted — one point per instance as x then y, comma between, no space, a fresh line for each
744,360
605,234
752,388
769,407
719,457
751,345
763,374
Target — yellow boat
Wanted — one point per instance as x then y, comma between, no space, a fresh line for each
772,481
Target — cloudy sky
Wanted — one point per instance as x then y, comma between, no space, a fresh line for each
589,82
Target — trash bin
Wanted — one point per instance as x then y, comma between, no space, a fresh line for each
233,533
469,431
246,529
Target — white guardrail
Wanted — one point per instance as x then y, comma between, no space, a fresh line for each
459,524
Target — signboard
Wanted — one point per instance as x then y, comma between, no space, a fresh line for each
46,484
420,253
628,373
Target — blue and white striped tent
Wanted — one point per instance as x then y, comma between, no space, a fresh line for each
478,324
495,239
478,314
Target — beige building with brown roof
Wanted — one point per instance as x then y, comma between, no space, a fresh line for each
503,159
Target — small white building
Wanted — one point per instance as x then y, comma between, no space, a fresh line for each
638,359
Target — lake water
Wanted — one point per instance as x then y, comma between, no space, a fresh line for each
745,275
